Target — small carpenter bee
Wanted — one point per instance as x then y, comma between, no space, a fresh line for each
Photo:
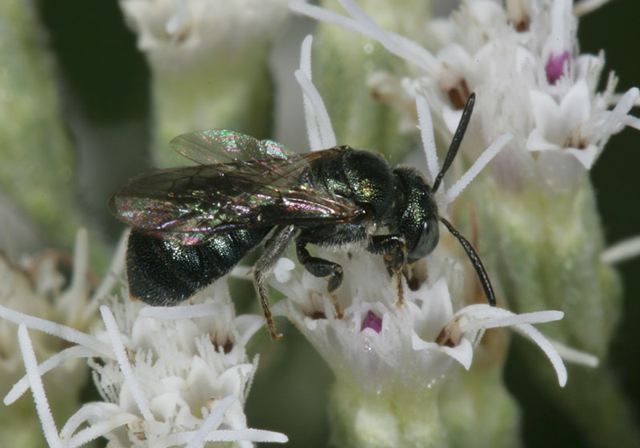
192,225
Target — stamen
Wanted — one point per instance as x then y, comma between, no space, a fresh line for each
226,435
475,169
37,389
396,44
622,251
72,297
123,361
426,133
575,356
249,434
620,112
75,352
481,317
547,348
90,411
100,429
54,329
583,7
111,278
213,420
319,128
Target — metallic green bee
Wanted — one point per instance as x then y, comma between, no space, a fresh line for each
192,225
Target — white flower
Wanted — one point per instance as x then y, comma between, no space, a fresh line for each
167,376
36,286
362,330
369,339
522,60
186,29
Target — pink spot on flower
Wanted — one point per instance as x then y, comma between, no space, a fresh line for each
555,67
371,320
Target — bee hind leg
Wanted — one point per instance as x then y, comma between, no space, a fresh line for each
273,249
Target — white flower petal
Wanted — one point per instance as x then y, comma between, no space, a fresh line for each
586,156
538,142
451,118
548,117
463,352
575,107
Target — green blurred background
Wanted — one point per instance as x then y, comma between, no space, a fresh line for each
106,105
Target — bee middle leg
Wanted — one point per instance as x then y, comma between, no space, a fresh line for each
273,249
394,252
319,267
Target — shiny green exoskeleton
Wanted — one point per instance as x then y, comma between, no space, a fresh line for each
192,225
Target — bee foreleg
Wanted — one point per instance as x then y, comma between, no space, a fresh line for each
394,253
273,249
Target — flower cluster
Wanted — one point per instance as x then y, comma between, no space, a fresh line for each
167,376
522,60
181,375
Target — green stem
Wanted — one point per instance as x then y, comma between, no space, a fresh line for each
405,418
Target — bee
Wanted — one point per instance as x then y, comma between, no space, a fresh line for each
192,225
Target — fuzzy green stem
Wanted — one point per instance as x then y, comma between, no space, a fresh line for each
37,159
389,419
478,411
544,250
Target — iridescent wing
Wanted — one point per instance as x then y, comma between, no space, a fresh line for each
214,146
222,146
251,190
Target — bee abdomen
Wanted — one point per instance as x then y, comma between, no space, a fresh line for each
161,272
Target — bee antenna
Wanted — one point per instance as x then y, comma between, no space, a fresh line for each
457,139
475,261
